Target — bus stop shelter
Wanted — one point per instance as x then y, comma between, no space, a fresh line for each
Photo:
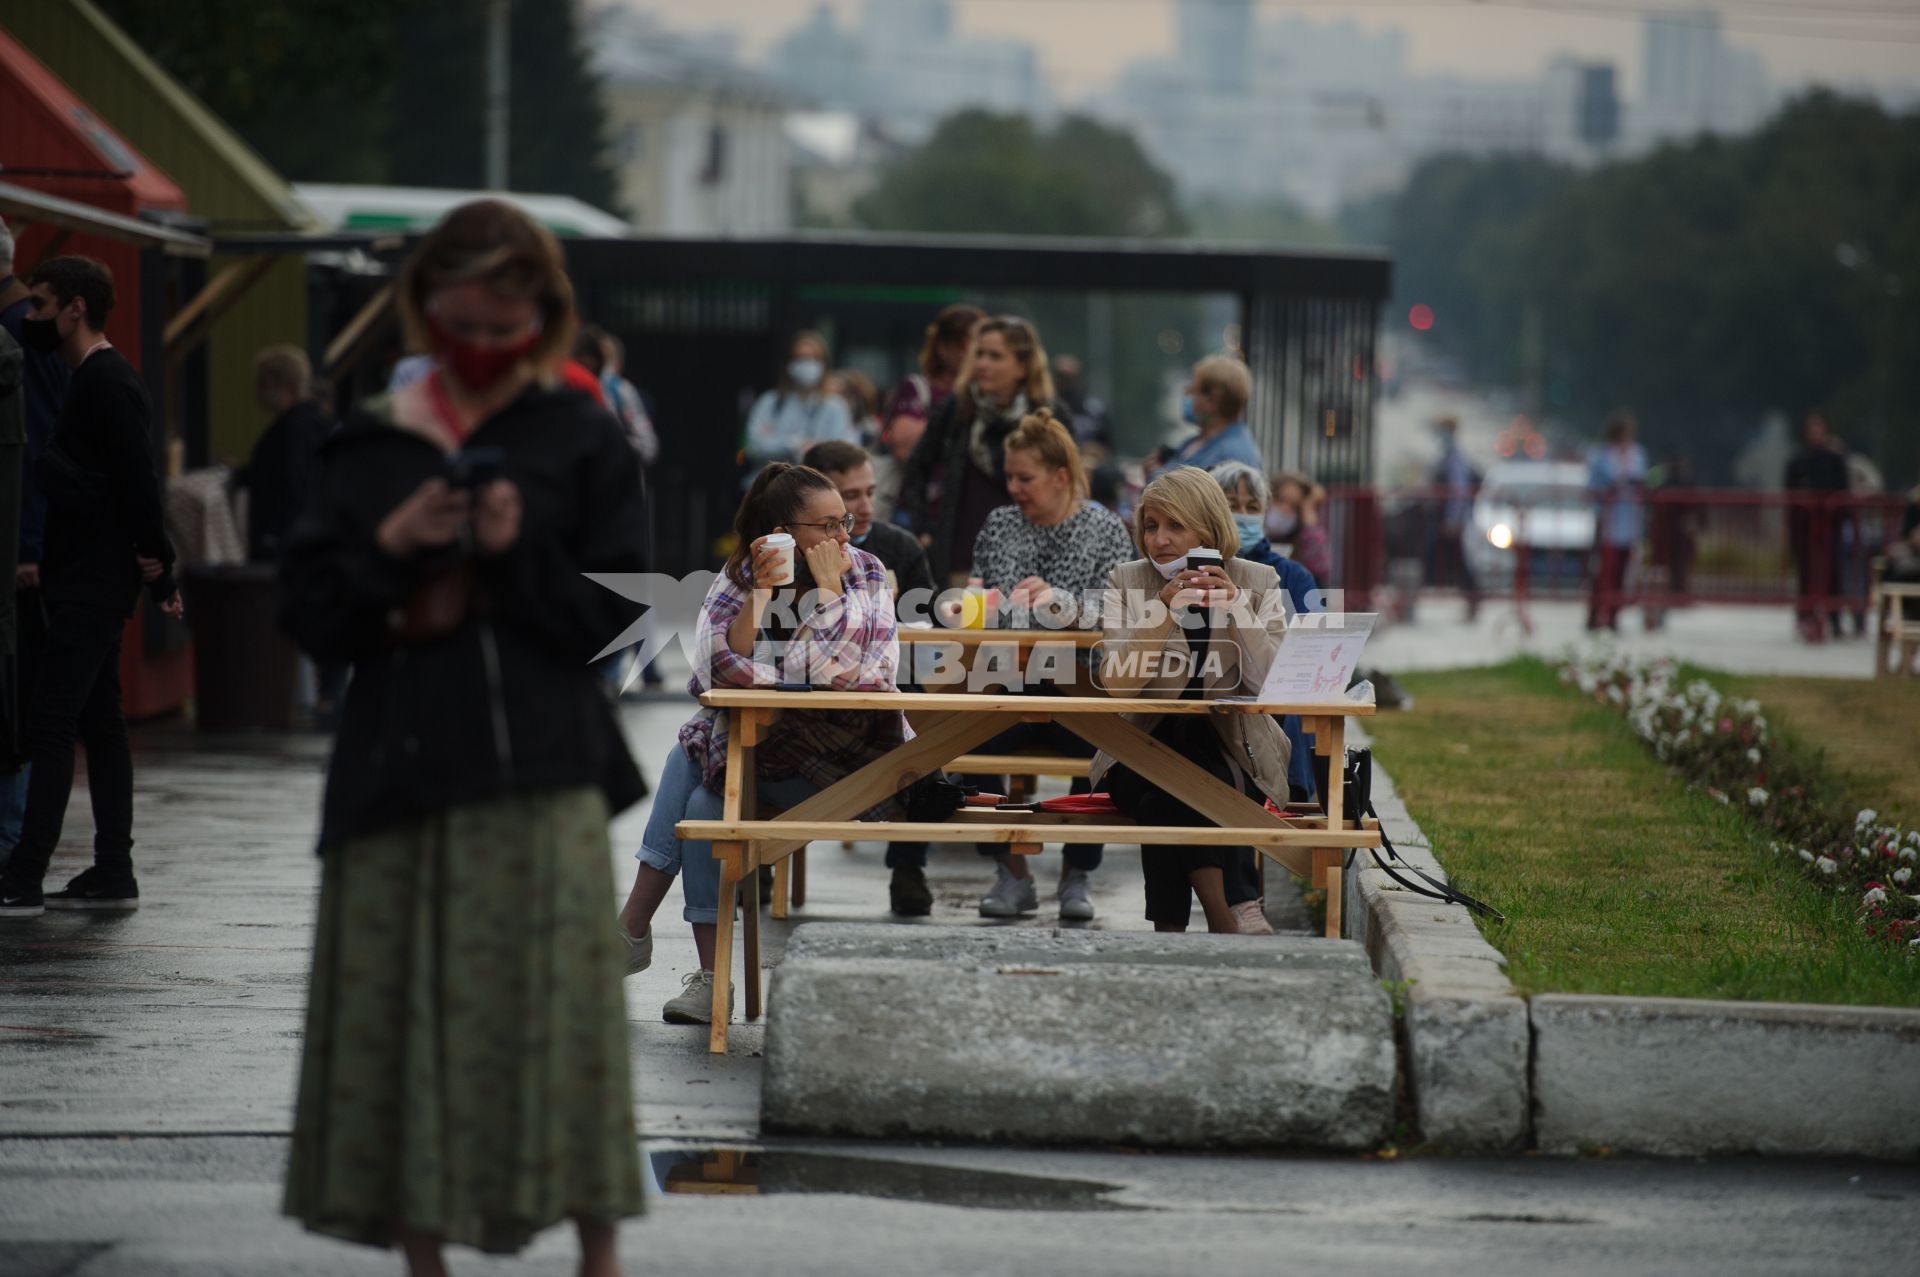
706,325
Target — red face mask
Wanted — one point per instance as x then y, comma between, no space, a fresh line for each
476,366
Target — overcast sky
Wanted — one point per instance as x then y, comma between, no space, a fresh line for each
1084,42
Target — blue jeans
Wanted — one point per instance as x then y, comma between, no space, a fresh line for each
679,796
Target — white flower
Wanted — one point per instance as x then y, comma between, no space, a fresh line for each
1874,897
1901,877
1757,796
1908,853
1826,865
1865,818
1753,756
1806,855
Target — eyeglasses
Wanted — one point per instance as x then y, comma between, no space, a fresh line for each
827,526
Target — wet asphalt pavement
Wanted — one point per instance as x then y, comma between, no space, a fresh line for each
147,1066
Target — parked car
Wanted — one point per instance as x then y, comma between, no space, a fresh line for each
1540,507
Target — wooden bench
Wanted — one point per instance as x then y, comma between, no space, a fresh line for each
1891,627
1021,770
948,725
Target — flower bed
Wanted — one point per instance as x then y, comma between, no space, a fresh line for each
1721,744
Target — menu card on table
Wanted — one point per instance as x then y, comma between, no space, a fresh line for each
1317,657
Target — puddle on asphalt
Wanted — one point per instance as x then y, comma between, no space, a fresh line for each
757,1172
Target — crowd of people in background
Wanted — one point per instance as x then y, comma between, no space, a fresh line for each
1647,529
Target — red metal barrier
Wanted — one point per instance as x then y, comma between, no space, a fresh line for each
1681,546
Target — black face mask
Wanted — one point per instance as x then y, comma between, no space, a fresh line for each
42,335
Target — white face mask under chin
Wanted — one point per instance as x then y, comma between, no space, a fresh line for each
1170,568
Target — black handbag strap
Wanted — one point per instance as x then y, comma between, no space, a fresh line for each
1360,787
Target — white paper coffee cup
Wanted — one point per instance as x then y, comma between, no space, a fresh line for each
783,542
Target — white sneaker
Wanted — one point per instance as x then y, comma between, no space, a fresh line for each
639,948
1251,916
1075,904
1009,897
695,1003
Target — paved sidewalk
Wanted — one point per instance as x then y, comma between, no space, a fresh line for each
147,1065
1740,640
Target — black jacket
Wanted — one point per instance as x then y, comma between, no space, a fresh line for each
104,502
507,702
280,475
46,386
933,483
900,553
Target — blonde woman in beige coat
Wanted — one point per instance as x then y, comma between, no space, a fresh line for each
1157,645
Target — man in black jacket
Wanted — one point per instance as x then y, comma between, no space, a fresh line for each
1813,523
105,534
45,389
900,552
280,473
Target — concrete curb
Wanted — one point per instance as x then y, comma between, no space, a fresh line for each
1662,1076
1675,1076
1077,1037
1467,1032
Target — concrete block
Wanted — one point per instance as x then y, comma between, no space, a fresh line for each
1680,1076
1468,1033
1000,946
1467,1068
1029,1037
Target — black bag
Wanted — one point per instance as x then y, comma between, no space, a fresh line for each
1358,775
934,797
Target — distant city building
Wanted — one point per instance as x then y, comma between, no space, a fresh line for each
1216,43
825,63
698,142
1581,109
837,157
1695,82
1245,109
904,66
1324,113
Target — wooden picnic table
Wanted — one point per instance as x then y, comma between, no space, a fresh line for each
947,725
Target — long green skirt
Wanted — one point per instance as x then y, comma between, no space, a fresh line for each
465,1070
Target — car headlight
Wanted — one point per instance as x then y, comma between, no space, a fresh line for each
1500,536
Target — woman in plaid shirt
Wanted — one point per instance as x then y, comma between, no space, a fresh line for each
833,628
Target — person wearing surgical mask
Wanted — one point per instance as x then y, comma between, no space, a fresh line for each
1177,628
798,413
1245,489
465,1004
1215,403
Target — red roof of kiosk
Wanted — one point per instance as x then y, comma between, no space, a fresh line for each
48,127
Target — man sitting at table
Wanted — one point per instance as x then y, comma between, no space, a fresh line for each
850,470
1214,634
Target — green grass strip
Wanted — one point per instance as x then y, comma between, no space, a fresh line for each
1615,876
